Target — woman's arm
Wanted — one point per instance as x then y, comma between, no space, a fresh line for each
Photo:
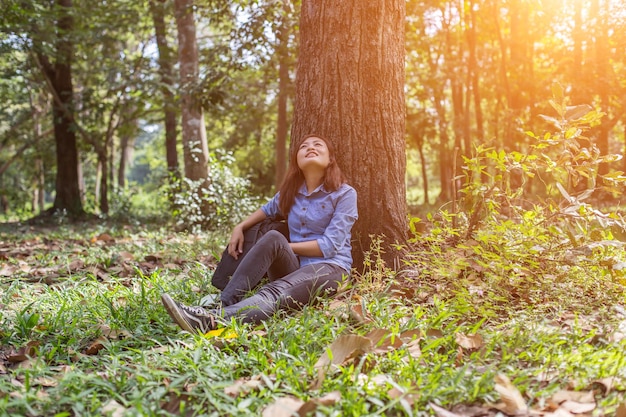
340,225
235,244
309,248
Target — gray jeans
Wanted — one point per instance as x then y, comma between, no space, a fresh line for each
290,286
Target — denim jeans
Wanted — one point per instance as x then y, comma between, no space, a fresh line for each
228,265
290,286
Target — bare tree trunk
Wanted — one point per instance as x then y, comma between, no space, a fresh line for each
601,44
195,149
166,60
350,89
127,142
67,191
283,94
40,185
420,149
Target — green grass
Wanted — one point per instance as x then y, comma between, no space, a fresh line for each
548,325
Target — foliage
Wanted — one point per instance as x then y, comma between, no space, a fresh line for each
226,196
502,183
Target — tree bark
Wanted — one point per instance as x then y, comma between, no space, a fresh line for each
157,7
67,191
195,147
283,94
127,142
350,89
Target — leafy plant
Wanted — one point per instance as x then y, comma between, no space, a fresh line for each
221,203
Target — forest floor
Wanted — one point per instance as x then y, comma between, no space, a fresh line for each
480,327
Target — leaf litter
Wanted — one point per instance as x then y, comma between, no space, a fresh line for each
345,351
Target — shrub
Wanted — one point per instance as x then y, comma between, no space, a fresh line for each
221,202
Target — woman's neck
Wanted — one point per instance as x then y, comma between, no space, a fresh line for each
313,180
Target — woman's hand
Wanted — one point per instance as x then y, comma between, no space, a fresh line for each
235,244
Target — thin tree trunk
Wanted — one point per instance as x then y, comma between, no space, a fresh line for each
127,142
283,94
166,60
420,149
195,147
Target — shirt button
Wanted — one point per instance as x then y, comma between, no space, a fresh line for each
302,223
303,208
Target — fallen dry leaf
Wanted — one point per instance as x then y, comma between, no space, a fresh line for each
512,401
577,396
243,386
345,347
113,409
359,314
45,382
283,407
559,413
310,406
173,404
24,353
96,346
469,341
413,348
577,408
621,410
113,334
442,412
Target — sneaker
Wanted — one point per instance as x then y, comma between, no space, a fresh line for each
191,319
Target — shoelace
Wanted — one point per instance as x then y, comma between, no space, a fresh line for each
196,311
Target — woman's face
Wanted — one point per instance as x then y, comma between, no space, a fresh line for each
313,153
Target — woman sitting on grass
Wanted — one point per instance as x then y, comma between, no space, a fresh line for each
320,209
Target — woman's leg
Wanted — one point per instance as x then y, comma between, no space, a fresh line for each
227,265
271,254
293,291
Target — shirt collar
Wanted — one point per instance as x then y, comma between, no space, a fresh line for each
321,188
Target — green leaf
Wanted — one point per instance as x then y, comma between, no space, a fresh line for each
557,91
576,112
554,122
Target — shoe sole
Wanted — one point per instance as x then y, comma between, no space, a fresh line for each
172,310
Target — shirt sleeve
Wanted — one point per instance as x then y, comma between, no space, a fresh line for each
340,226
271,208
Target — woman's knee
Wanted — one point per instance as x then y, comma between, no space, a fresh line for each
273,236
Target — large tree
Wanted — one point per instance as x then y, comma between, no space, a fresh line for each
350,89
58,73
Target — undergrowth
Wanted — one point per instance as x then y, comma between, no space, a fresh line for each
499,307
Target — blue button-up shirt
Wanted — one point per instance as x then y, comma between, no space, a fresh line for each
325,216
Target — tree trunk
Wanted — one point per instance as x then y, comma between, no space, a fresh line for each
420,149
127,142
600,11
104,182
474,75
67,191
283,94
350,89
157,7
40,200
195,149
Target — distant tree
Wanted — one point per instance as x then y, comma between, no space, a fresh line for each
350,89
166,70
58,73
195,148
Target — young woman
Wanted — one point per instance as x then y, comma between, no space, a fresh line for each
320,209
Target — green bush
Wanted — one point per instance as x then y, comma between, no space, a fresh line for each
222,203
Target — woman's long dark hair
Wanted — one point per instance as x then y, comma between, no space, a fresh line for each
333,177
